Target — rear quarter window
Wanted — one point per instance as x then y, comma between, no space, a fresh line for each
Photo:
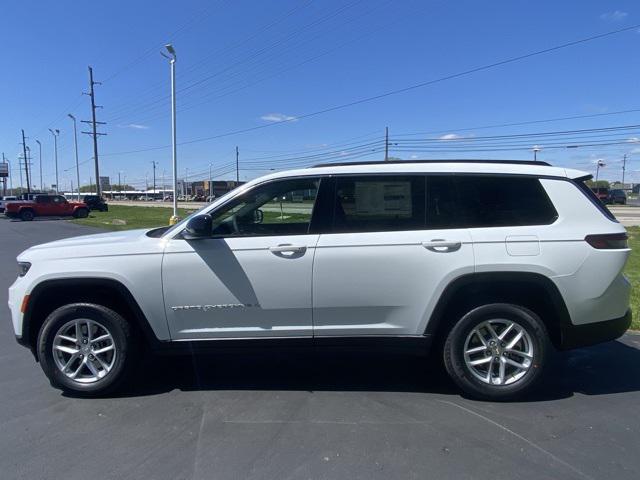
500,201
593,198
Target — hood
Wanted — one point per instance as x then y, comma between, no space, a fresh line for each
96,240
114,244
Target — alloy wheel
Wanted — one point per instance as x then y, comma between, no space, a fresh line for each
84,350
498,352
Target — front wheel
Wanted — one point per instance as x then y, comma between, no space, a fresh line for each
86,349
26,215
497,351
81,213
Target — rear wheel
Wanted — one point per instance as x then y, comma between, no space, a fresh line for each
26,215
86,349
81,213
497,351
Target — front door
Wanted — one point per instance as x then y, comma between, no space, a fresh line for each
252,278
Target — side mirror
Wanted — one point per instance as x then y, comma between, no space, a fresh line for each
198,227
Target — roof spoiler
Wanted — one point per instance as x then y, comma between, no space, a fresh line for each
583,178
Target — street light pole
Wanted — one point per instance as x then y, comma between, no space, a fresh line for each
55,134
599,164
536,149
172,61
75,138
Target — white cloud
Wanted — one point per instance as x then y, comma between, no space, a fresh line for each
615,16
450,136
633,140
278,117
413,157
135,126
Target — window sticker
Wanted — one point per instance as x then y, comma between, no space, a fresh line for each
383,198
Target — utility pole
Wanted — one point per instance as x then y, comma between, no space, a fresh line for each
119,182
153,162
94,133
26,161
624,167
237,167
40,160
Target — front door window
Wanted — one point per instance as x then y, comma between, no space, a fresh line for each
277,208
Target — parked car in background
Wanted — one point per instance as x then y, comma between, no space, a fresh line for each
4,200
95,202
45,206
601,192
617,196
382,255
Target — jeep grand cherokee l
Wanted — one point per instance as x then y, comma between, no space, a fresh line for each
493,263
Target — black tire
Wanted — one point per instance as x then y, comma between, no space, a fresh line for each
123,339
26,215
462,374
81,213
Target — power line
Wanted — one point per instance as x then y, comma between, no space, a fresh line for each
402,90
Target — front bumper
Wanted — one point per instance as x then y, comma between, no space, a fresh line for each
576,336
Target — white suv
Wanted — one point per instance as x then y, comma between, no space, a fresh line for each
494,263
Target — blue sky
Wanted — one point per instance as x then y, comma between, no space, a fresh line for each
244,64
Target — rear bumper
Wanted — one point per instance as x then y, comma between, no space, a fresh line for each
575,336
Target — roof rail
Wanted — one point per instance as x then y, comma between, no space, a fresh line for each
386,162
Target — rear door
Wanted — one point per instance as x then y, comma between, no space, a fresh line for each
389,252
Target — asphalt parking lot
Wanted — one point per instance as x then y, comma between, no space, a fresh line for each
320,416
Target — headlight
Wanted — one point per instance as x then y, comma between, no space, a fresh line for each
23,268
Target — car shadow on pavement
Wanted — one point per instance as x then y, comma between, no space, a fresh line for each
613,367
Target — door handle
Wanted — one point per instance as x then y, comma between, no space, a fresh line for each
442,246
287,249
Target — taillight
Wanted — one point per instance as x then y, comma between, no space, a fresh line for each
608,241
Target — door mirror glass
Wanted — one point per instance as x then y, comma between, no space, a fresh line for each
198,227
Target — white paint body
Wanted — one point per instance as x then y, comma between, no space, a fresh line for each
347,284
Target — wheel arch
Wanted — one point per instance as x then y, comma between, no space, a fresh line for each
51,294
531,290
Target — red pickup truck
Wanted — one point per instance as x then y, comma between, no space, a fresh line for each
45,206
